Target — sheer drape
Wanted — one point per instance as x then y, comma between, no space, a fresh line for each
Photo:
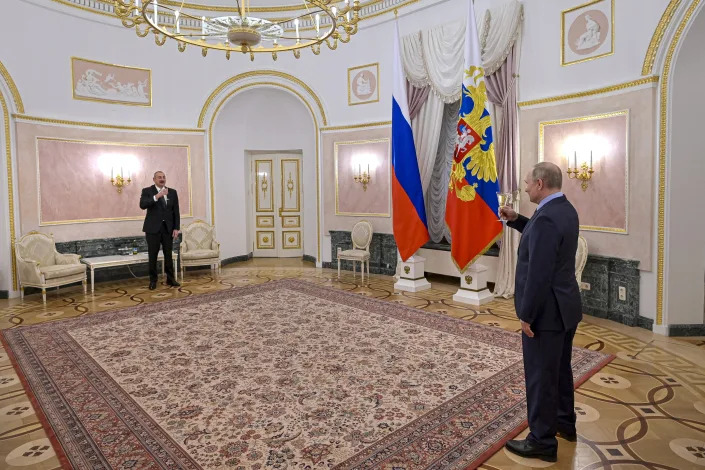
502,92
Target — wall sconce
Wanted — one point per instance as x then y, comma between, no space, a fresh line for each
119,181
363,177
583,174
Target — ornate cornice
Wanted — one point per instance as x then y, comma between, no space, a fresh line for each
597,91
98,125
363,125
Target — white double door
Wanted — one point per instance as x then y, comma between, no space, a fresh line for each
277,210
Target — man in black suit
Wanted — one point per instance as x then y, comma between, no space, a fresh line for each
547,302
161,226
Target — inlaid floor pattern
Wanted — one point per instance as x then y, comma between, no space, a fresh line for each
646,409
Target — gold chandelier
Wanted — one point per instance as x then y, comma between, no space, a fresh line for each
323,21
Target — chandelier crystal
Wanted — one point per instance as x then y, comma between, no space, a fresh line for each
323,21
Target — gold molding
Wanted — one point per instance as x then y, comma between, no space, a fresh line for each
612,45
63,122
260,73
592,117
298,238
363,125
10,188
261,247
335,164
109,101
663,141
97,142
260,224
286,225
358,67
298,183
13,88
660,31
317,137
596,91
270,184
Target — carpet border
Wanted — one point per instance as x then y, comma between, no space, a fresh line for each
43,420
496,448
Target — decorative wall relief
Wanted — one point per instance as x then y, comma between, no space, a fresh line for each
362,178
363,84
587,32
596,149
74,179
99,81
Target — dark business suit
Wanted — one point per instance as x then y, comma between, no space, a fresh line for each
548,299
161,220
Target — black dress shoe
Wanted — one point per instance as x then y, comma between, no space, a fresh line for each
152,285
173,283
529,449
567,435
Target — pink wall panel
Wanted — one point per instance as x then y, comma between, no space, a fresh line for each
74,178
352,198
603,205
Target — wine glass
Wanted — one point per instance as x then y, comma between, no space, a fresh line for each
504,199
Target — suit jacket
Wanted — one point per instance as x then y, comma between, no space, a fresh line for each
546,292
157,211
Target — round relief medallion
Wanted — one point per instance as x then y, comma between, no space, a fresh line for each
691,450
16,410
610,380
364,85
30,453
588,32
585,413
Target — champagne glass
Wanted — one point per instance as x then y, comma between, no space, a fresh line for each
504,199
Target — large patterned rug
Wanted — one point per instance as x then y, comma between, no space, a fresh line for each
281,375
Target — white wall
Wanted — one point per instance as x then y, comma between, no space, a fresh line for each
686,180
259,119
182,81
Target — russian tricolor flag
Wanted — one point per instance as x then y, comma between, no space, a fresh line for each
410,226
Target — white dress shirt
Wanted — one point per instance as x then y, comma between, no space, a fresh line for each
166,201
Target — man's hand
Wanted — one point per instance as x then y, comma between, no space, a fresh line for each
162,193
508,213
175,234
526,328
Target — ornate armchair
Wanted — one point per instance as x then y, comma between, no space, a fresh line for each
40,265
580,259
198,246
361,239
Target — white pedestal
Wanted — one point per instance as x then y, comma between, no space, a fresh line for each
412,277
473,286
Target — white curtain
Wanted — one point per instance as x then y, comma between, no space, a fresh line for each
427,129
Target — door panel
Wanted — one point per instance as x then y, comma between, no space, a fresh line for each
277,205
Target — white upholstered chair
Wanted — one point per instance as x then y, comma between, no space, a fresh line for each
198,246
361,239
40,265
580,259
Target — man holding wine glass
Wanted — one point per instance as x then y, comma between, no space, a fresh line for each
547,302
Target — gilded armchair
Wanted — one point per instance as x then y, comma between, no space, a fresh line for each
361,239
40,265
198,246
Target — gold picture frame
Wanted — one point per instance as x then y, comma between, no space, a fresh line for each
623,113
363,84
582,32
93,80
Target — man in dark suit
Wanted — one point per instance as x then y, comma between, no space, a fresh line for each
161,226
547,302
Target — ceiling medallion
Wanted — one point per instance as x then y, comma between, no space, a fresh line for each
321,22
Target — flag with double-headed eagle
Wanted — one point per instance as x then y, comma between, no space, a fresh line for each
472,206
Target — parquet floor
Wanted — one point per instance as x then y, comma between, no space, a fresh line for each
644,410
